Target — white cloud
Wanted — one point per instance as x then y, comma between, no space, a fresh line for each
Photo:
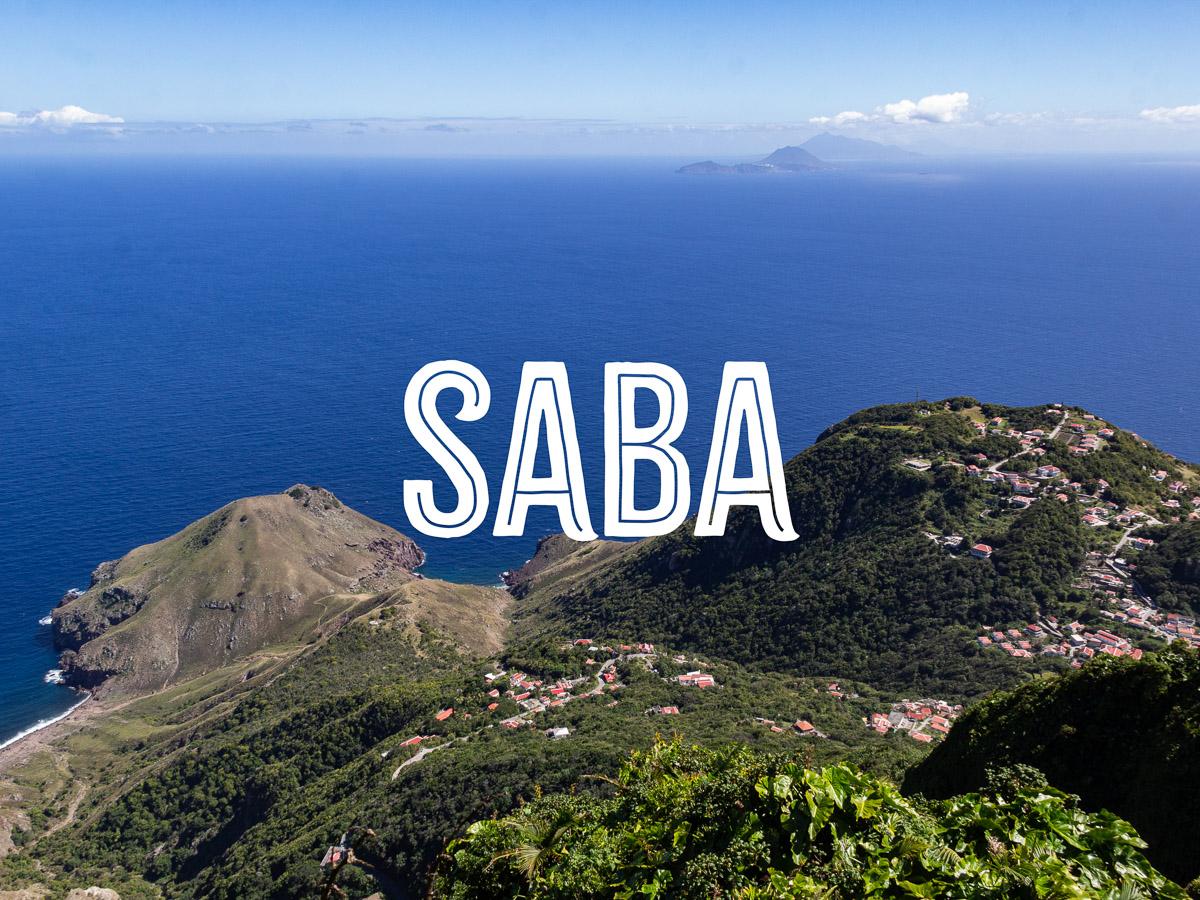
1172,114
64,117
936,109
848,117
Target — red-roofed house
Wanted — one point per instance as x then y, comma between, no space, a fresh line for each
697,679
446,713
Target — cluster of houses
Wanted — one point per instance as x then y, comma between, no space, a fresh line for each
1047,637
925,721
802,727
1086,436
1023,489
535,696
1144,615
837,692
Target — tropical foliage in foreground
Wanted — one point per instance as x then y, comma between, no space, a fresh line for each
684,822
1123,734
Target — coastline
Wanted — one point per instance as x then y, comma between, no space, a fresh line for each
41,734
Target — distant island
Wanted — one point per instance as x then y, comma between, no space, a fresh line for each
815,154
839,148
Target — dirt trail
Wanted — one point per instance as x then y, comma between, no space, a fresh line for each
81,789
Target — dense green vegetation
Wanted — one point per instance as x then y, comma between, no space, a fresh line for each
1170,571
1122,734
863,592
245,805
692,824
232,786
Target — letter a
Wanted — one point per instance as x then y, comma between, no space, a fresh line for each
544,397
745,396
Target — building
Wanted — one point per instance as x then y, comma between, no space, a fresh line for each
981,551
697,679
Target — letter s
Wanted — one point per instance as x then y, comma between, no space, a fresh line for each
459,463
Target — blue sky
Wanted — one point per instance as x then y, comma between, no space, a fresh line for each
1053,70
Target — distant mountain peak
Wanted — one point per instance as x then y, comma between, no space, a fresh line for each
841,148
793,158
785,159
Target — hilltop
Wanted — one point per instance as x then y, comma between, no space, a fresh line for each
257,572
840,148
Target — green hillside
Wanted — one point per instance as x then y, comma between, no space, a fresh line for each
1170,571
1122,734
866,591
234,789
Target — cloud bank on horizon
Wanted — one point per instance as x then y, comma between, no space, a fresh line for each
933,109
954,115
1173,114
63,117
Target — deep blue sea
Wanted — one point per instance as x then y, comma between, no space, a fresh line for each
178,333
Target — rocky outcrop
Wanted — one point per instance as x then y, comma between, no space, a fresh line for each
93,893
83,622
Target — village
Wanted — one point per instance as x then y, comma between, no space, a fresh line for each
925,721
534,696
1108,573
1021,489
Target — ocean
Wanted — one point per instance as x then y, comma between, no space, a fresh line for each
177,333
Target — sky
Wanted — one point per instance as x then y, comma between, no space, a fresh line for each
635,77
